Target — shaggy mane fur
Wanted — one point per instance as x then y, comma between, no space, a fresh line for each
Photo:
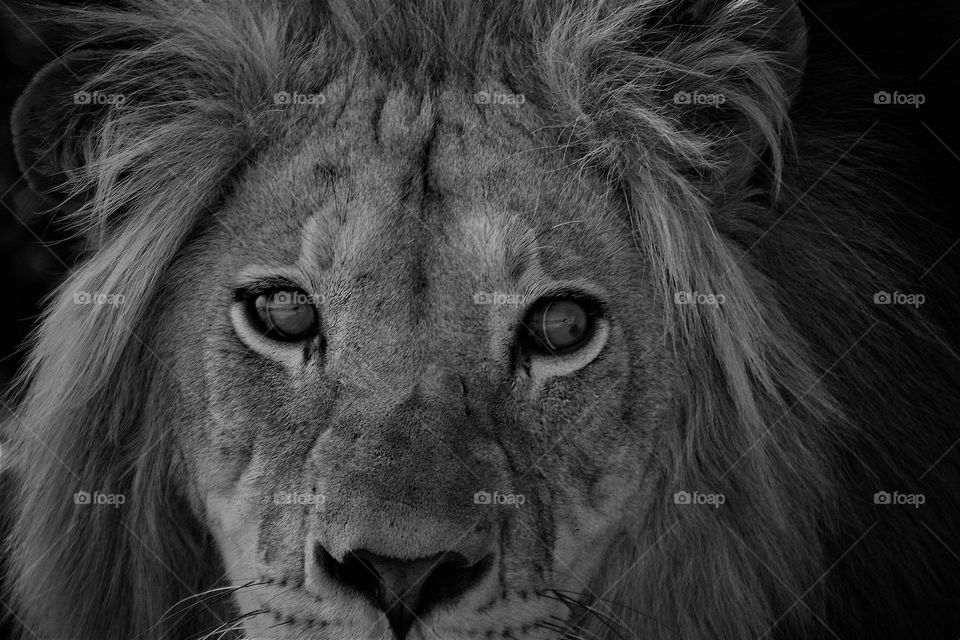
798,392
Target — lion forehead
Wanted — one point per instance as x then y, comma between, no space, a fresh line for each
386,176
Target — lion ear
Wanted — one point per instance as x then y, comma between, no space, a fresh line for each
747,60
53,118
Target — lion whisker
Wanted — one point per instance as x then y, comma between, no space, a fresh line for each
234,624
617,603
611,622
203,597
567,630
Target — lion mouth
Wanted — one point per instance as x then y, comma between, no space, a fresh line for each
405,590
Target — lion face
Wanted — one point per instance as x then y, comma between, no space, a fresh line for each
425,320
431,381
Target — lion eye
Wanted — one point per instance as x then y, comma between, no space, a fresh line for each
557,326
287,315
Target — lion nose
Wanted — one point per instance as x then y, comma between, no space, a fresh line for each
404,589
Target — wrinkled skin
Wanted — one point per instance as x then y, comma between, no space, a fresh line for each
395,213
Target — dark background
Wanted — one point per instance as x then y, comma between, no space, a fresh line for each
857,47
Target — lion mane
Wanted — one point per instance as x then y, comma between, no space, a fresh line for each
800,397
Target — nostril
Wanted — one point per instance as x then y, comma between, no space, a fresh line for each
453,577
351,572
404,589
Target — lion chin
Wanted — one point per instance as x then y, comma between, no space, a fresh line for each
452,319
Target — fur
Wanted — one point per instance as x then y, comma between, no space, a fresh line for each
798,393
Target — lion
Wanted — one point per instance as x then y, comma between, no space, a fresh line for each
465,319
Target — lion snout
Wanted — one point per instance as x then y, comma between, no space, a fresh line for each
400,526
404,589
